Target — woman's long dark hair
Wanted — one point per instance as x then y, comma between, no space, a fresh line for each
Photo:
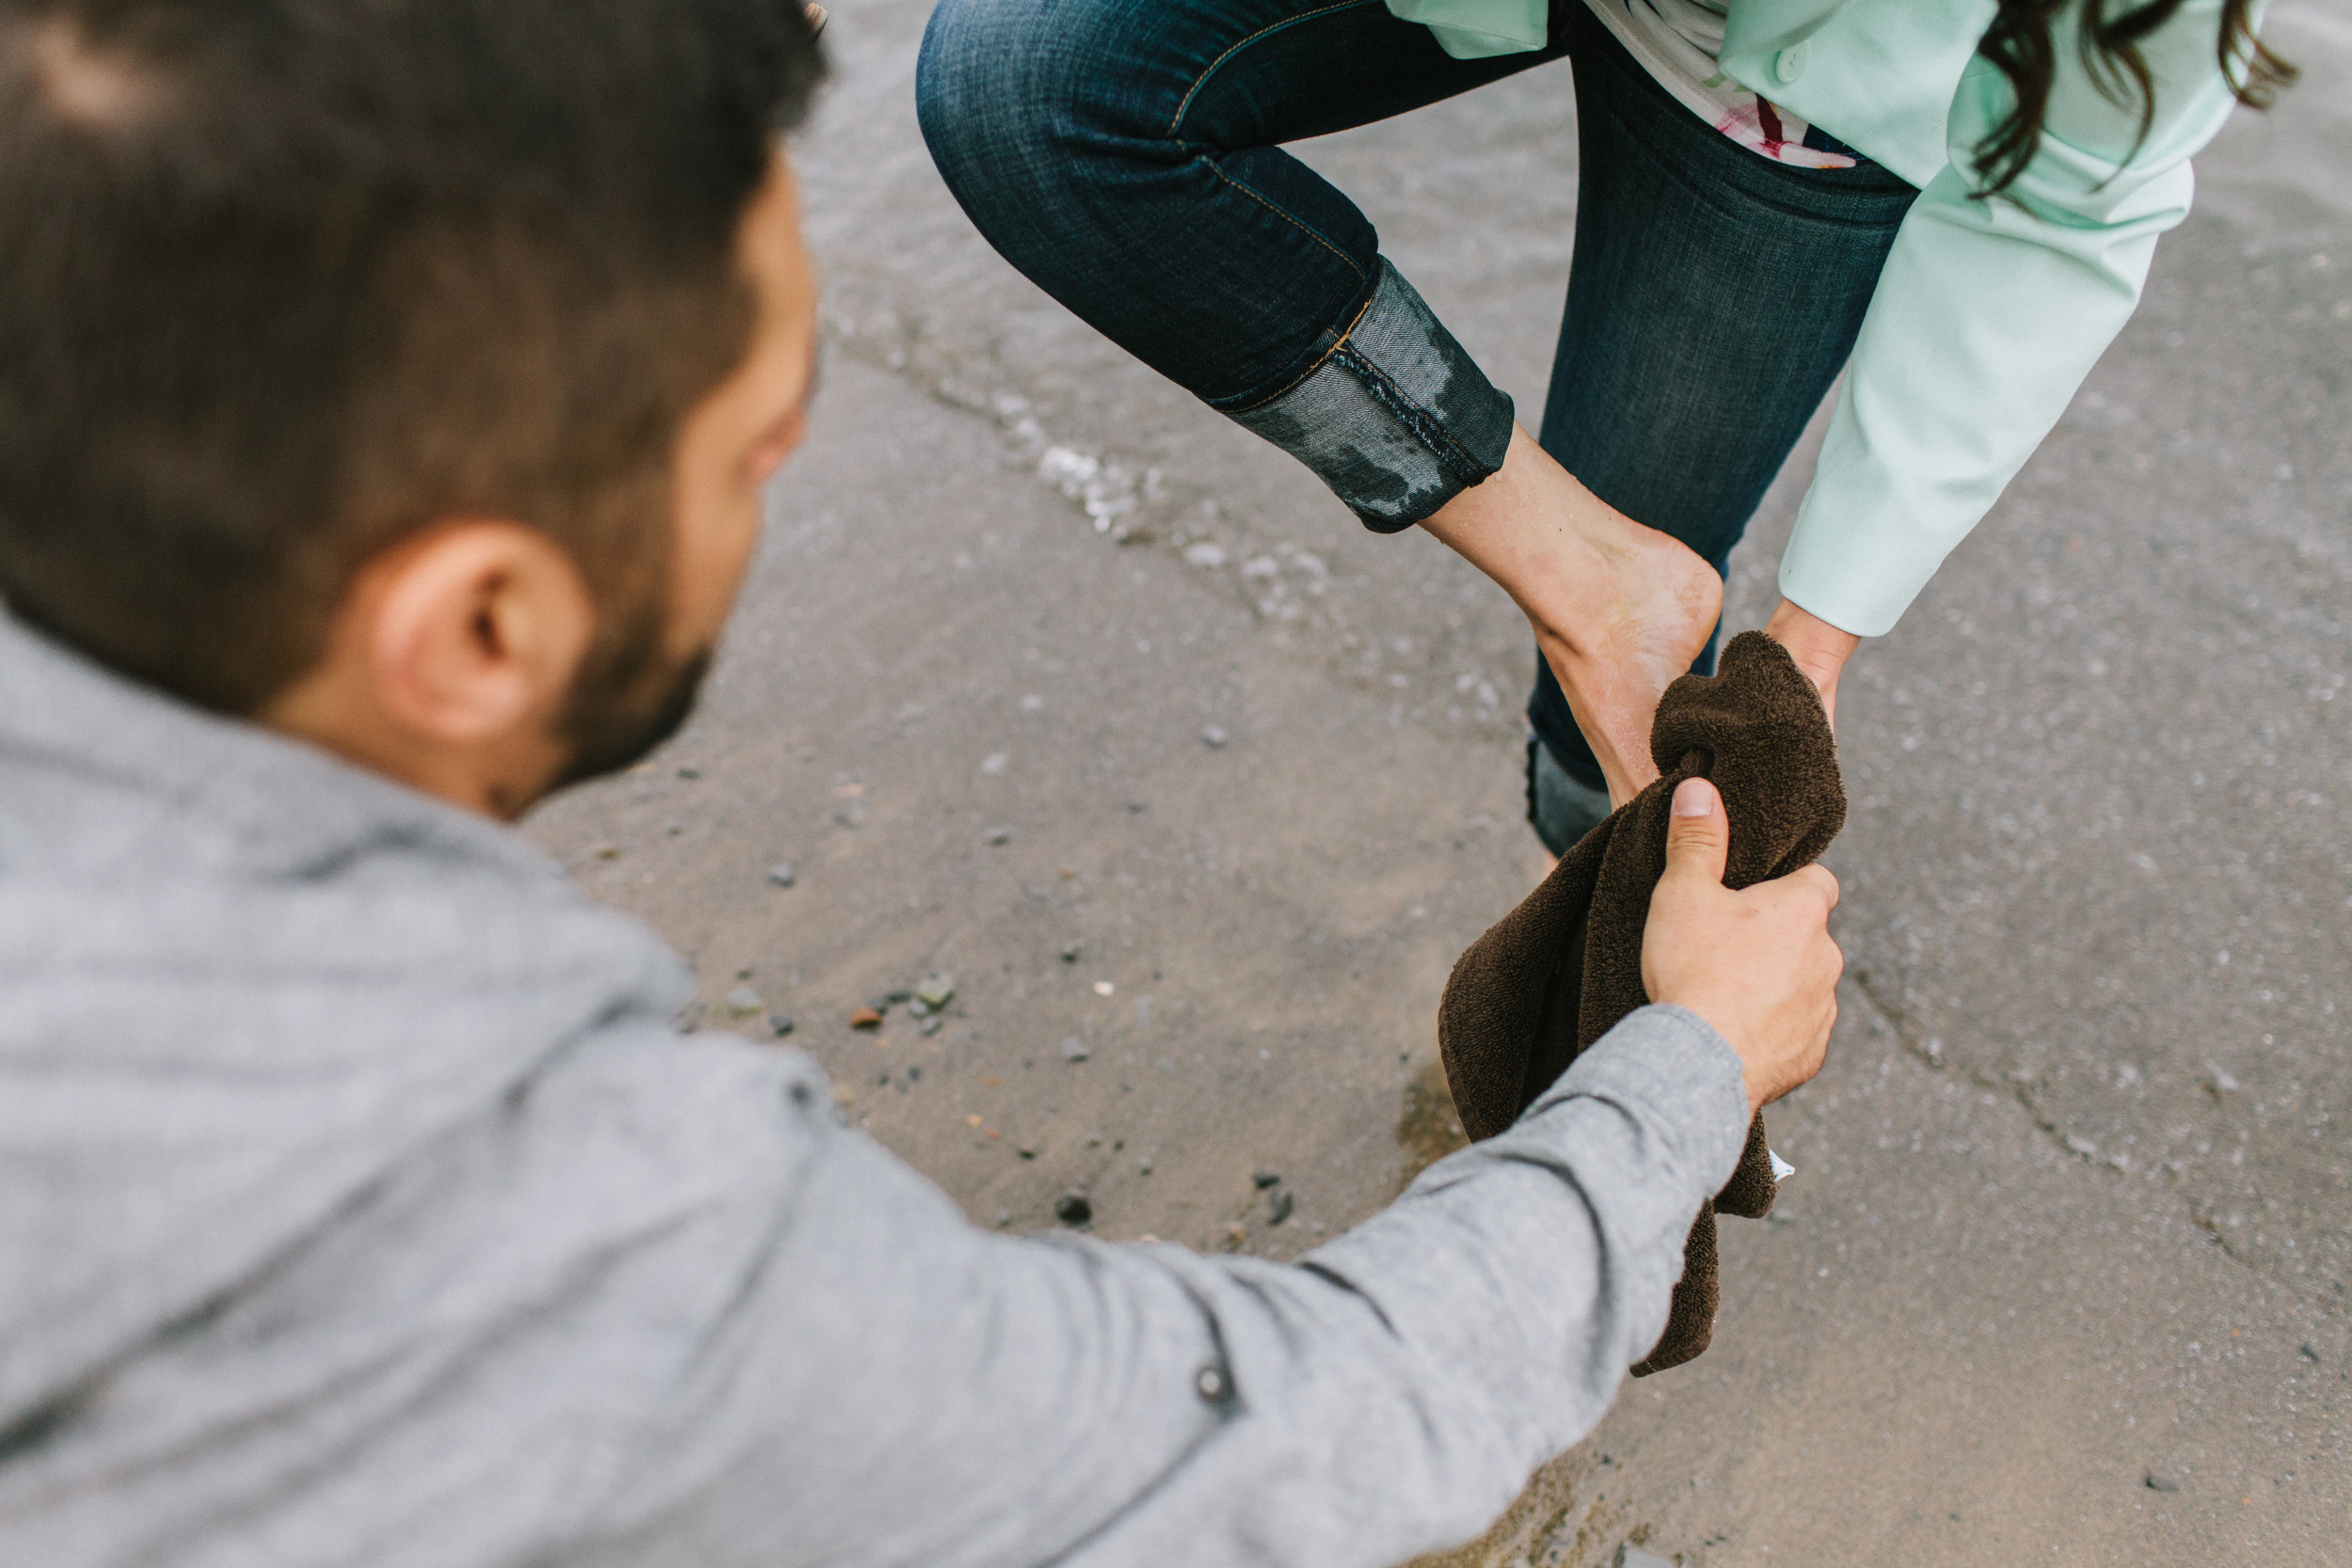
2024,44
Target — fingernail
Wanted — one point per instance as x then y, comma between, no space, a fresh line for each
1691,798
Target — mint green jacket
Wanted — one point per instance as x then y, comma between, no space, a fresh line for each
1990,312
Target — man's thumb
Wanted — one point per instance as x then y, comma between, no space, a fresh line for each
1698,835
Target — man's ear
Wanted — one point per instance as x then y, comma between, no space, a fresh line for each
472,631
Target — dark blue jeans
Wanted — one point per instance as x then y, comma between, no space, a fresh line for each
1126,155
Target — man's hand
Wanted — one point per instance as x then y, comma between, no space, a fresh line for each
1758,964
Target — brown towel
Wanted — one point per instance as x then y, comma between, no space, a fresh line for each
1557,972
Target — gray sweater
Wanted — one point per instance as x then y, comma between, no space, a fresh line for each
359,1204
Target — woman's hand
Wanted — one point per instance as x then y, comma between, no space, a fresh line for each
1820,649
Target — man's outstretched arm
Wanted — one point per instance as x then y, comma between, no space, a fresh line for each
900,1388
665,1308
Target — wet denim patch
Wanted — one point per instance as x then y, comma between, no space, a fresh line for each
1395,416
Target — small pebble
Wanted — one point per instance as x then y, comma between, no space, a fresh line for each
1144,1166
781,873
1278,1206
914,1075
844,1095
931,1025
1104,987
689,773
1074,1209
1074,1050
937,992
1215,737
1070,952
743,1001
1265,1179
897,995
1025,1152
865,1017
998,835
780,1024
2162,1483
1631,1556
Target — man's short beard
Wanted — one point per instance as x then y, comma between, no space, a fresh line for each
627,699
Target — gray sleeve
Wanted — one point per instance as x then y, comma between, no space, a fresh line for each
853,1374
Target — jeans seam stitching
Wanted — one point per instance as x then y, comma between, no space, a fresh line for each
1457,460
1300,380
1200,81
1289,217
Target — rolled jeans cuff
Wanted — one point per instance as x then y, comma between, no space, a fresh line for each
1392,414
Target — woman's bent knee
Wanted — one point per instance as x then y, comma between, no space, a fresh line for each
984,84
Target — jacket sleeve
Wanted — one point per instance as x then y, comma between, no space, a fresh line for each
1478,29
886,1383
1990,314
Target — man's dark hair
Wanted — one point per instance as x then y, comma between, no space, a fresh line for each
284,280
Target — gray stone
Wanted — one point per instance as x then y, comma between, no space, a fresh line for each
1074,1050
1074,1209
780,1024
743,1001
1278,1206
1215,737
998,836
1265,1179
2161,1484
937,991
1631,1556
781,873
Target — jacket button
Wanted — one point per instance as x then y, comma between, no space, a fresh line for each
1789,63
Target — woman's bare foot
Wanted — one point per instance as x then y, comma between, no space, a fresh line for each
1619,609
